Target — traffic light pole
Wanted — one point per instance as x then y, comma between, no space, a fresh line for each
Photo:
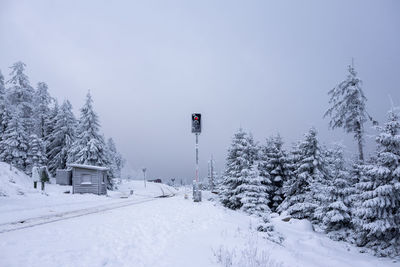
197,157
196,129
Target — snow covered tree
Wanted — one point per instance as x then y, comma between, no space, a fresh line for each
61,137
4,112
334,210
212,175
36,153
50,126
241,156
377,217
301,190
115,159
20,95
41,109
348,109
273,161
2,84
89,146
253,194
14,146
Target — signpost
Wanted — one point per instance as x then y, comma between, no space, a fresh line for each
196,129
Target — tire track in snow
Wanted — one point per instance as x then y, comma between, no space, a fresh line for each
32,222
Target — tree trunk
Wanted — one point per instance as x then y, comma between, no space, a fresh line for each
360,142
360,149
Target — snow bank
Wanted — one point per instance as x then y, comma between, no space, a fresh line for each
13,182
148,190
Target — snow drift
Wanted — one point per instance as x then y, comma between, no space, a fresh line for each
13,182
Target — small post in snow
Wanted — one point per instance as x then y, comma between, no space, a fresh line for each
144,176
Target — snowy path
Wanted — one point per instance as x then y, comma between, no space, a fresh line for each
55,203
31,222
170,232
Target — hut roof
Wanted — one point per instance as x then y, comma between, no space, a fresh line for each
90,167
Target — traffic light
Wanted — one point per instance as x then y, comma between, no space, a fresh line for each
196,123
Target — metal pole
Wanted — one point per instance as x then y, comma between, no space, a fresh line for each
212,174
197,157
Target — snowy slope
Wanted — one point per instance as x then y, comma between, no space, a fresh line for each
13,182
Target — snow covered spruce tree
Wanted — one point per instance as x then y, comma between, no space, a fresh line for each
61,137
115,159
14,146
89,146
254,199
253,193
377,217
348,109
4,107
302,189
273,161
50,126
41,109
2,102
20,95
17,119
36,155
334,210
241,156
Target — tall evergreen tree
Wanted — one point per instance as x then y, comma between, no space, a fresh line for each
241,156
61,137
334,210
301,190
14,146
377,217
274,162
36,153
4,112
2,84
20,95
253,193
89,146
348,108
212,175
41,109
115,159
50,126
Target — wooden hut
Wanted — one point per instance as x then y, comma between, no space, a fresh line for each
89,179
64,177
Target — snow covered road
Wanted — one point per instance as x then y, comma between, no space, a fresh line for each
32,222
171,232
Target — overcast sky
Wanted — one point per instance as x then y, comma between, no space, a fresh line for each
265,66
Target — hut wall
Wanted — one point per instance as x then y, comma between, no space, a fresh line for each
88,181
64,177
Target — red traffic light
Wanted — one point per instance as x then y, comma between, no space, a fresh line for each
196,123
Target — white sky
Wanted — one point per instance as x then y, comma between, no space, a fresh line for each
264,65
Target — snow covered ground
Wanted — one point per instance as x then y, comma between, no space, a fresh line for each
169,232
19,201
54,228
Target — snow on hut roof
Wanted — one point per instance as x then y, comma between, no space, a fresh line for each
90,167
